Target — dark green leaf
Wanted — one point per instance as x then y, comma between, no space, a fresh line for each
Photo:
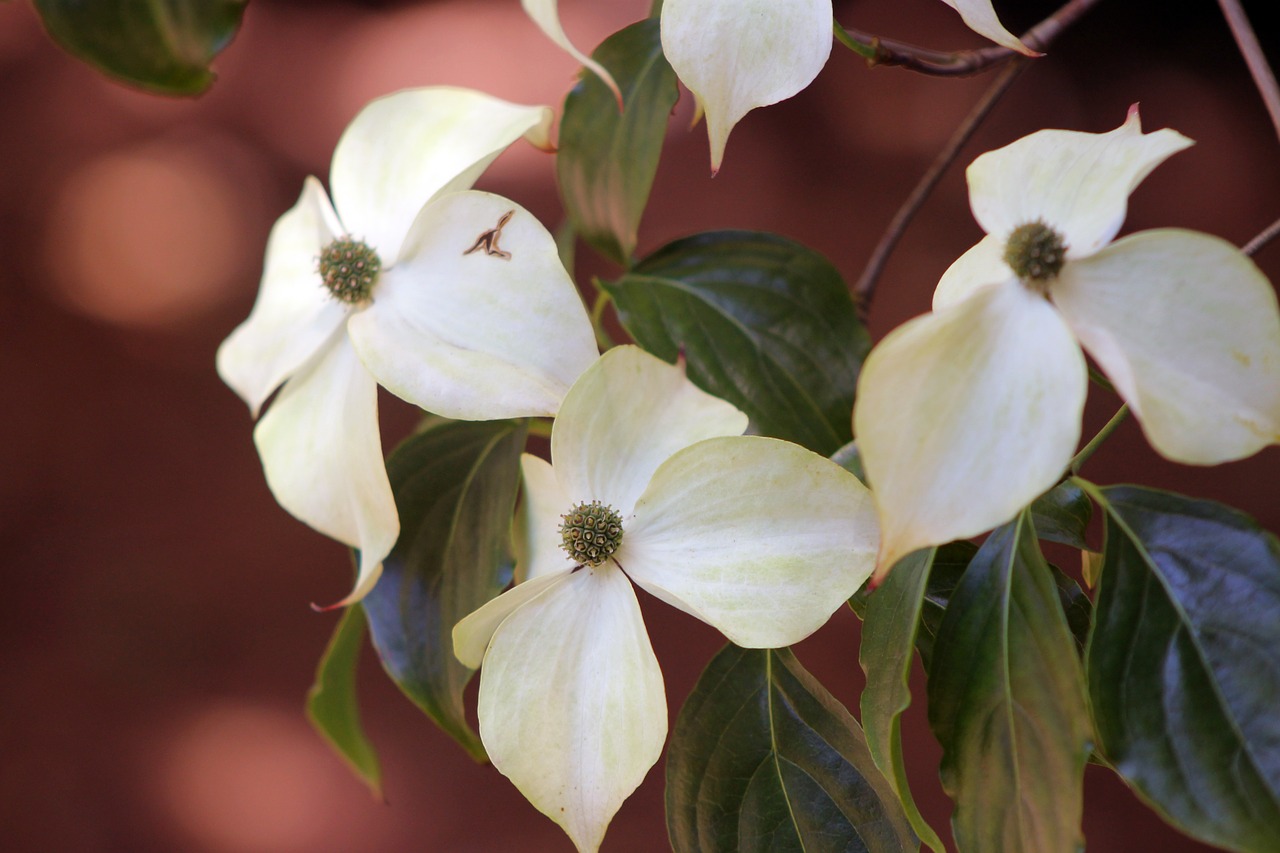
1184,663
607,160
1062,515
763,759
888,641
1076,606
455,488
331,701
162,45
948,567
764,323
1007,703
849,458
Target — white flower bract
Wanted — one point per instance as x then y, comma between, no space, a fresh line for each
472,335
758,537
966,414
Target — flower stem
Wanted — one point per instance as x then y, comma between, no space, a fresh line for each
882,51
864,290
1263,77
1268,234
1083,456
603,338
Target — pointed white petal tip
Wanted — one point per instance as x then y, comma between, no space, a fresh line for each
979,16
546,14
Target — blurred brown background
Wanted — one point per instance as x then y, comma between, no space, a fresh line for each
157,643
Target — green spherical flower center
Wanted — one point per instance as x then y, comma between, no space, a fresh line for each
1035,252
591,533
349,268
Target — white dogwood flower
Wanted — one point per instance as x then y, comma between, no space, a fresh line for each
736,56
966,414
453,300
652,484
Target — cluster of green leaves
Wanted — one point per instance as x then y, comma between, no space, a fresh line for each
1172,678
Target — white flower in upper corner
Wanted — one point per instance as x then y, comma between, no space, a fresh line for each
736,56
455,301
653,485
966,414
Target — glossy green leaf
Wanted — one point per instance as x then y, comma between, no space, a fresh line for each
1184,663
763,760
161,45
888,642
331,701
606,160
948,567
1007,703
455,488
1062,515
764,323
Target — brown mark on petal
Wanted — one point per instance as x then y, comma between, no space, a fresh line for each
489,239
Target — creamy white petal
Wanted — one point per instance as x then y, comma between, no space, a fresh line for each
476,336
1077,183
982,265
979,16
294,314
547,16
322,454
745,54
758,537
542,504
966,415
623,418
572,708
405,149
471,636
1187,328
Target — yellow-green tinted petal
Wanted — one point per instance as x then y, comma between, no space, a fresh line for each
736,56
547,16
543,501
474,335
1076,183
623,418
758,537
979,16
982,265
471,636
1188,330
572,708
965,415
405,149
322,454
294,314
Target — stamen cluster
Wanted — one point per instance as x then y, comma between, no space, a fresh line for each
1035,252
591,533
349,268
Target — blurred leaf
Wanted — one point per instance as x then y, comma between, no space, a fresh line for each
1007,703
764,322
331,701
1062,515
849,458
888,642
161,45
764,760
1184,663
606,160
1091,567
455,487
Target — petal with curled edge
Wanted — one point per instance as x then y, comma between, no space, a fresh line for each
404,149
758,537
294,315
543,503
965,415
1076,183
572,707
322,454
546,14
623,418
476,336
979,267
1187,328
979,16
749,53
472,634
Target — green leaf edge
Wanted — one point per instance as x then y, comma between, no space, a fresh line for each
332,706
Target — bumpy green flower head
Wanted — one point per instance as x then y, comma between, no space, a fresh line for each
1035,252
349,268
591,533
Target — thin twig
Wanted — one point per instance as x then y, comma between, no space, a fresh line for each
883,51
1083,456
1263,77
864,290
1268,234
